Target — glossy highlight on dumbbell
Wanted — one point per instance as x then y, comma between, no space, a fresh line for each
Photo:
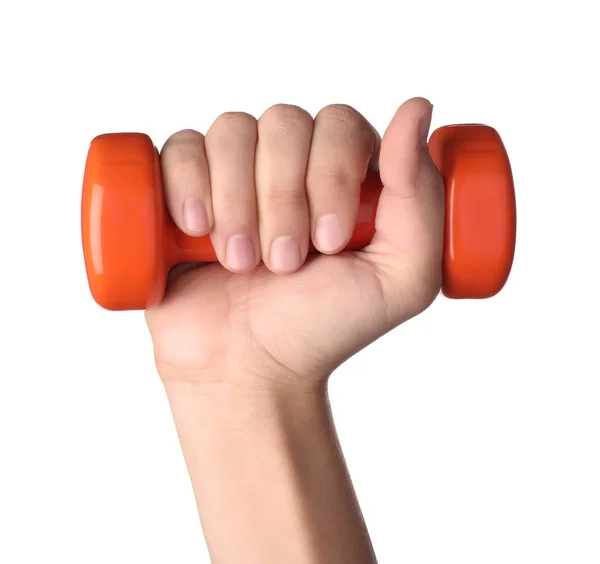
130,242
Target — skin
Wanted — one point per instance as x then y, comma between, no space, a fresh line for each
245,347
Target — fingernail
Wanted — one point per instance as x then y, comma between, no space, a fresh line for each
329,234
425,125
240,253
285,254
195,218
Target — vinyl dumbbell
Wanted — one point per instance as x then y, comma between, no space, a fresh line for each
130,242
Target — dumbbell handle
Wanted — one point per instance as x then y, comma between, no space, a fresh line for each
183,248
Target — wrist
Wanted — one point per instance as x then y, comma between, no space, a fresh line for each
216,404
240,383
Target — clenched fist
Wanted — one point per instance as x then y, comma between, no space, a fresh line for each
270,316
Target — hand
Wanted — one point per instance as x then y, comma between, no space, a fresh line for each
263,189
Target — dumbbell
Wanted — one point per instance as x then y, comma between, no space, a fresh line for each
130,242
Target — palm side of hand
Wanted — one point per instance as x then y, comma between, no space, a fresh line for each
261,327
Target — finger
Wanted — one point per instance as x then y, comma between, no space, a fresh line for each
284,136
230,150
410,214
186,182
343,145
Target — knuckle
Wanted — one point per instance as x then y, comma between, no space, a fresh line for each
231,201
229,128
285,114
342,114
184,145
234,121
276,197
336,181
350,126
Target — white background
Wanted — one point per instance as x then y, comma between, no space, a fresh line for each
472,432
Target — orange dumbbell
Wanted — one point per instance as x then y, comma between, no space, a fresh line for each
130,242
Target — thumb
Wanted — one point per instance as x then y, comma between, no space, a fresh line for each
407,247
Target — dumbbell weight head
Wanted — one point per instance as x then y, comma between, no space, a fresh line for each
480,225
123,221
130,242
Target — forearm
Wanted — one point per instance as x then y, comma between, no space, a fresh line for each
269,477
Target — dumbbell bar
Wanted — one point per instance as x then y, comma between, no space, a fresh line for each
130,242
